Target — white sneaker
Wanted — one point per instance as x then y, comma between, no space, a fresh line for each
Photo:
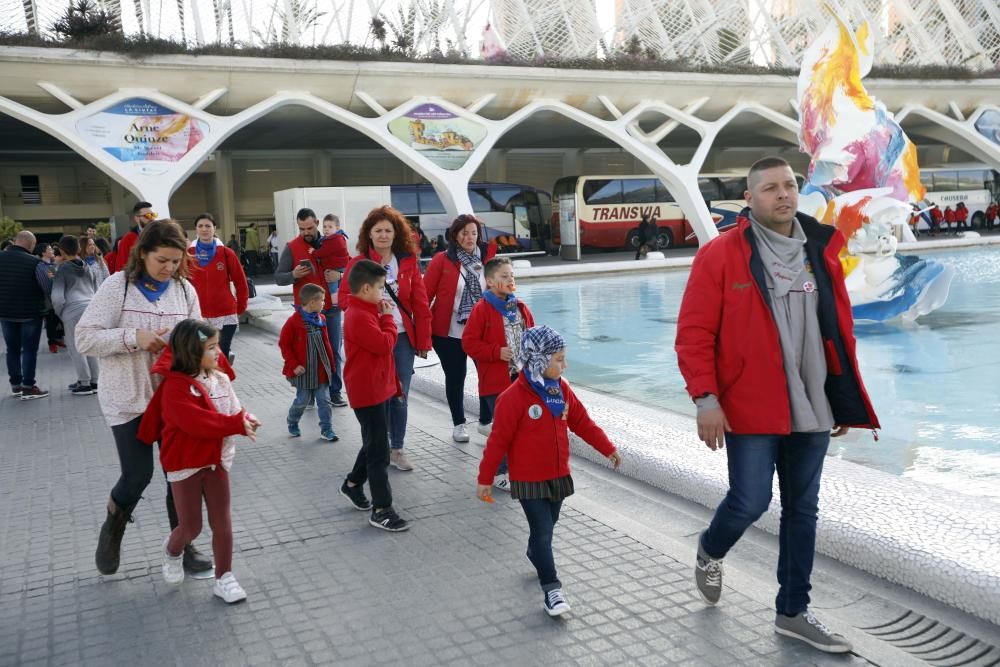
459,434
227,588
502,482
485,429
173,566
399,460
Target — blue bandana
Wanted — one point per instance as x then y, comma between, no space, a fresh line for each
311,318
538,344
204,252
506,307
152,289
90,259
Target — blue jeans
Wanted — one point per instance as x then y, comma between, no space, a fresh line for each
403,355
542,516
334,322
22,350
304,397
798,458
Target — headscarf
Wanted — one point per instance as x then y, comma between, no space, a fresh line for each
538,344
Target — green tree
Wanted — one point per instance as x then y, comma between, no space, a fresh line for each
104,230
9,228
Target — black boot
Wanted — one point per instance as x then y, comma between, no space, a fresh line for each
109,543
195,562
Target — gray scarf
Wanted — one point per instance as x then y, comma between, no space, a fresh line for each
473,292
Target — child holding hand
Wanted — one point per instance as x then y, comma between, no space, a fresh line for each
194,415
531,428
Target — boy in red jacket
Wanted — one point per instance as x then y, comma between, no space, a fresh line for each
370,377
533,419
492,338
309,361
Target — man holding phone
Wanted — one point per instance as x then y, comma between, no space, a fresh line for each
296,267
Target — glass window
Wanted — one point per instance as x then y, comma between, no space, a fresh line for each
480,199
564,186
639,190
405,201
945,180
662,193
733,188
501,196
710,190
602,191
927,180
430,202
971,179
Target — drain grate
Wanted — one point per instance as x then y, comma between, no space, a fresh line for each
935,643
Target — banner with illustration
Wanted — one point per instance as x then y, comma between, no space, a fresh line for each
442,137
143,133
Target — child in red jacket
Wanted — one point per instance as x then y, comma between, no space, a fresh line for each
370,376
193,415
531,427
332,253
492,338
309,361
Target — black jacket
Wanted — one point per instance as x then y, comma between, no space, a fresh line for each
21,296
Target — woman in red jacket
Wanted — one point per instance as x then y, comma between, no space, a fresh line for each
193,414
386,239
531,428
455,283
215,268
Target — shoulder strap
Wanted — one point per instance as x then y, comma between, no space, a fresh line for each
392,294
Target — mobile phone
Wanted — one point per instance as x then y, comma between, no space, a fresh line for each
305,263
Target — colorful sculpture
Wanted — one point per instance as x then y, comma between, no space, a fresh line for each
863,176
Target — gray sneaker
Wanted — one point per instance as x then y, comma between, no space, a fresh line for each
708,576
809,629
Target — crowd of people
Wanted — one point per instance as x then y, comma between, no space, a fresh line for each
156,324
954,219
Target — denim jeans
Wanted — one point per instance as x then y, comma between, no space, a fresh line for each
542,516
798,458
403,355
334,322
304,397
22,350
454,363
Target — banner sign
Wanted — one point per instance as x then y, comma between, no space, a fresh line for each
442,137
140,132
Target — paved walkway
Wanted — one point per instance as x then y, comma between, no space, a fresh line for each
324,587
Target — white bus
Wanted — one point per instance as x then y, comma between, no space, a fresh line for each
977,185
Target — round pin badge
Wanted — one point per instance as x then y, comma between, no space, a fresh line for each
808,286
219,266
535,411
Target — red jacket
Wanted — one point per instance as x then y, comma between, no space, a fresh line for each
949,215
125,248
482,339
183,419
369,372
109,259
294,346
211,282
441,281
411,293
303,251
727,342
961,214
535,442
937,215
332,252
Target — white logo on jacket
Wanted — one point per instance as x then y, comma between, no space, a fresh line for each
535,411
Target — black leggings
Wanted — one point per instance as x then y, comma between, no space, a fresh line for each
136,460
226,338
454,364
53,328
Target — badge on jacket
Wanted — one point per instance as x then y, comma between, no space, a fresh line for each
535,411
219,266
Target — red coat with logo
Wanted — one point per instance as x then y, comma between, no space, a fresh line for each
369,372
727,341
482,339
183,419
949,215
211,282
410,292
125,248
536,442
303,251
441,281
332,252
961,214
293,341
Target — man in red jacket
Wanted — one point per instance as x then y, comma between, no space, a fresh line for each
142,213
766,346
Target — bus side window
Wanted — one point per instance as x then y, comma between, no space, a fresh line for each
405,201
639,191
430,202
480,199
602,191
710,190
662,193
733,188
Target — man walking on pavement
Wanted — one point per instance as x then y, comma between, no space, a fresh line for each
24,286
142,213
296,267
766,346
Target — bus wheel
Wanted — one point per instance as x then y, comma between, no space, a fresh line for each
664,239
978,220
632,240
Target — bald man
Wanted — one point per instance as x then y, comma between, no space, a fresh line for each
24,285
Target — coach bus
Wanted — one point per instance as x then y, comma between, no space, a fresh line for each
976,185
610,207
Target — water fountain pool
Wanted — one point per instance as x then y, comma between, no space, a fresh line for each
935,384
